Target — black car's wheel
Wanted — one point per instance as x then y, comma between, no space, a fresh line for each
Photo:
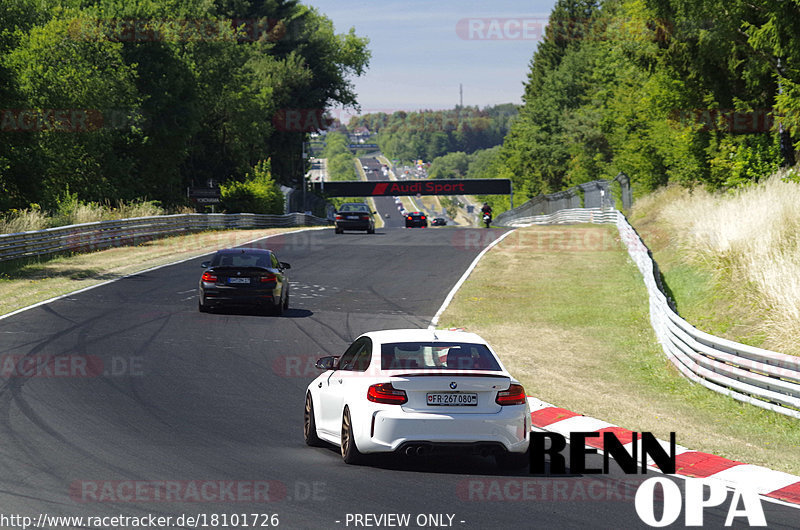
370,230
338,230
286,301
277,309
201,306
310,425
350,453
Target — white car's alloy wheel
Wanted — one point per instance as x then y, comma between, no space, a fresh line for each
350,452
310,425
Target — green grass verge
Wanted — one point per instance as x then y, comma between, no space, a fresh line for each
568,313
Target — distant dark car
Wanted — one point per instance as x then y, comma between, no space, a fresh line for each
416,219
354,216
439,221
250,277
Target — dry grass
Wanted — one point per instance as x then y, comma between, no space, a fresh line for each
567,311
91,212
23,221
23,285
73,212
751,239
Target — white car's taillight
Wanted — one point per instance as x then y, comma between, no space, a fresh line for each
515,395
387,394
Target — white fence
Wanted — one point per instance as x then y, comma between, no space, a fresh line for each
760,377
105,234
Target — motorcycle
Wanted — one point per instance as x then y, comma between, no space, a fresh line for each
487,219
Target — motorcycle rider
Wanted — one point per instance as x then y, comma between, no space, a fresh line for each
486,210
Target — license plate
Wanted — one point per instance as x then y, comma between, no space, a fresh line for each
353,217
238,280
457,399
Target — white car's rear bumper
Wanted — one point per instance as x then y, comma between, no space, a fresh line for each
388,429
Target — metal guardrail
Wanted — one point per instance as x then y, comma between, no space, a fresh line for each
106,234
594,194
764,378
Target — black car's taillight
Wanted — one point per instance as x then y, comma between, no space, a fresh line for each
267,278
208,277
515,395
387,394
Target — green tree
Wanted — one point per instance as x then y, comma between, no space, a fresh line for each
450,166
257,193
84,78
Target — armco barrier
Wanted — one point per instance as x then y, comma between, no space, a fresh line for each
105,234
760,377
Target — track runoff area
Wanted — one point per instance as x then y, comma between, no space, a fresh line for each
189,414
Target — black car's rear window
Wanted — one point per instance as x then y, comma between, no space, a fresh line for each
437,355
260,259
363,208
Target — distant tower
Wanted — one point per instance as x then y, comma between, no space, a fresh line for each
460,95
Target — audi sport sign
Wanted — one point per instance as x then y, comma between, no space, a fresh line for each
378,188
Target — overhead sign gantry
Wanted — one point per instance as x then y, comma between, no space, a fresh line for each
382,188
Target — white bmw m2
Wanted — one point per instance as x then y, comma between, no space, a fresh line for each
418,392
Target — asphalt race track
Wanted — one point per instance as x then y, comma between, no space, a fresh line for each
383,204
197,400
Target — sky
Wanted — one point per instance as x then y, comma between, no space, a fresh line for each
422,49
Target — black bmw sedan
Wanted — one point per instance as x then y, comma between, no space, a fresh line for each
354,216
245,277
416,219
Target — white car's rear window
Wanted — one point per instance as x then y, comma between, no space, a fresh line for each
437,355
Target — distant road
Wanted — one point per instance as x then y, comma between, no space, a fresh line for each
384,205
